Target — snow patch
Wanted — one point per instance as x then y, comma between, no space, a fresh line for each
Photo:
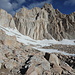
27,40
52,51
41,43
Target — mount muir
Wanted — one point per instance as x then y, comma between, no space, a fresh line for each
40,41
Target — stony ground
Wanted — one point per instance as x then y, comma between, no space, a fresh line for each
19,59
66,48
27,61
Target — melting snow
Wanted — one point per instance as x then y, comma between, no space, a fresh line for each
52,51
41,43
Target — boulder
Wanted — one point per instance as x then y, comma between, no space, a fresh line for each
66,66
33,73
38,64
54,60
57,70
9,41
10,64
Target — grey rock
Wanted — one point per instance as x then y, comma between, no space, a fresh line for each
33,23
45,23
6,19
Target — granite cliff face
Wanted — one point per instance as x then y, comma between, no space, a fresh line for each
6,19
45,23
33,23
41,23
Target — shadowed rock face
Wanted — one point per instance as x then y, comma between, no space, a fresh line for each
41,23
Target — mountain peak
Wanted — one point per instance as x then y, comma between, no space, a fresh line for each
48,6
45,24
3,11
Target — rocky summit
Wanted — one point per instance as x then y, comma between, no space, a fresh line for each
45,23
39,41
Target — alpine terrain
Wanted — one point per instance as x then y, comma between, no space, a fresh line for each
39,41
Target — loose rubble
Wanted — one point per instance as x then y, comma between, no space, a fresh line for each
21,59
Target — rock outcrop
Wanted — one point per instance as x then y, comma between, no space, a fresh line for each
9,41
33,23
46,22
6,19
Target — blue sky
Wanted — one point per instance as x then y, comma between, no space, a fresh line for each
12,6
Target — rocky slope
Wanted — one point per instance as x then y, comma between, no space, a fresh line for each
17,58
41,23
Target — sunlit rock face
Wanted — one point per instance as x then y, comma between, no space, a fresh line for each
6,19
41,23
45,23
33,23
61,26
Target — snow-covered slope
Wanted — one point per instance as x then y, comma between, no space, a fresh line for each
37,44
